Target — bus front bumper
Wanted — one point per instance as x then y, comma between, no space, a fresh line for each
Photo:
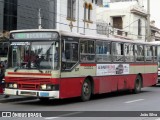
33,93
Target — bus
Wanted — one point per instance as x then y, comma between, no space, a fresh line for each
52,64
3,60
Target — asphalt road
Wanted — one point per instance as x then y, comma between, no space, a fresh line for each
112,106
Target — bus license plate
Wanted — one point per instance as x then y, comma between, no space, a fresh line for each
44,94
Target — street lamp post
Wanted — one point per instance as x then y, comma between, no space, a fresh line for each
39,19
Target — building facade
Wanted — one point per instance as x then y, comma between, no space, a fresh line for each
22,14
69,15
1,14
125,20
78,15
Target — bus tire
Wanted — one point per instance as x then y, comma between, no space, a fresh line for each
86,90
137,85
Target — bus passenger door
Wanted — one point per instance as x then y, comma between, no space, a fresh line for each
69,56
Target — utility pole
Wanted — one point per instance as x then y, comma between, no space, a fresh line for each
148,22
39,19
78,18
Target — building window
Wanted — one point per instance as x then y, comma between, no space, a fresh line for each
139,27
85,11
71,9
89,12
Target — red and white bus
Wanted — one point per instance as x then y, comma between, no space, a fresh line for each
55,64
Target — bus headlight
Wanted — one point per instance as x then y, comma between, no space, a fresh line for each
43,87
12,85
15,85
46,87
49,87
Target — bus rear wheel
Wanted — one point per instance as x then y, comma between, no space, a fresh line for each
86,90
137,85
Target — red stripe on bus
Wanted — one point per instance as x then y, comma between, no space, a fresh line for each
41,74
143,64
87,64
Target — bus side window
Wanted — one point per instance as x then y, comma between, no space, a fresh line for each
103,51
118,51
155,53
140,52
148,53
87,48
128,52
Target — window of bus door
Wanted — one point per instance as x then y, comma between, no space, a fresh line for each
128,52
69,54
155,53
87,51
148,53
139,52
117,52
103,51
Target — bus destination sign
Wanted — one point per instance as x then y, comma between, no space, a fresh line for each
34,35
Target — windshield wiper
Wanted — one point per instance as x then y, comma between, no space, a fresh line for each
15,70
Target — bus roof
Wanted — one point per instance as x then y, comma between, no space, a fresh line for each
97,37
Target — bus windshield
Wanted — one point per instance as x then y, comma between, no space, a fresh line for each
32,55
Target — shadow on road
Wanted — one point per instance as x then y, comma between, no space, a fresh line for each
16,99
59,102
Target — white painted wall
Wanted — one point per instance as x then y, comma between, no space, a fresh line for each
63,23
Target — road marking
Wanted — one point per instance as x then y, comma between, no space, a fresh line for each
63,115
157,119
134,101
49,118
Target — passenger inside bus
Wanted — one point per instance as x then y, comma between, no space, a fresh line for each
32,57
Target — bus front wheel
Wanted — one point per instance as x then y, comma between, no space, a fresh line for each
137,84
86,90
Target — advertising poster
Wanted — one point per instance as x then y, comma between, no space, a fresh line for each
112,69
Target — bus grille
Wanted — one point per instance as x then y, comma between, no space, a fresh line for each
29,86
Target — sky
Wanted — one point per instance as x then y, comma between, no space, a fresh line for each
154,10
